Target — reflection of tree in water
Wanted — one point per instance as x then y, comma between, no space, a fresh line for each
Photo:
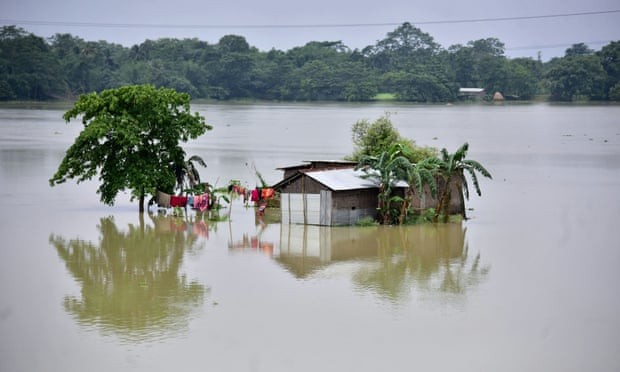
429,257
130,280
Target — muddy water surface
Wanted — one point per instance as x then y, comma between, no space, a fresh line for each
530,282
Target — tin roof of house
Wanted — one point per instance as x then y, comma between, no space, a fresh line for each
345,179
342,179
471,90
310,163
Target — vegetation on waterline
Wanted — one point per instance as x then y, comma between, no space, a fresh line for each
388,159
406,65
130,141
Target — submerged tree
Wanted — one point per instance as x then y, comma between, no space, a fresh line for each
418,176
374,138
131,136
452,168
187,174
385,170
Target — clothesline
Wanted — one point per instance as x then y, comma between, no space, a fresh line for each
202,201
199,202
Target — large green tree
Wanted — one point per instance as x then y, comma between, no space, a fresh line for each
130,139
403,49
28,70
576,77
610,60
374,138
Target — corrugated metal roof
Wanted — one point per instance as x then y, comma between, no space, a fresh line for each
471,90
345,179
308,163
342,179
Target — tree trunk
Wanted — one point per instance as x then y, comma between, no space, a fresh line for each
141,202
403,210
443,200
446,207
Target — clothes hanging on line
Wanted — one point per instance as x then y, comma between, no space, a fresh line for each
267,193
178,201
255,195
201,202
163,199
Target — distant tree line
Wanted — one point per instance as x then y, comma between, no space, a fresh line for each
407,63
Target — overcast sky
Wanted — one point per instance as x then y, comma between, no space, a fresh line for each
130,22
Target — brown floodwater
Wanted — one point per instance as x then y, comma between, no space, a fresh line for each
529,282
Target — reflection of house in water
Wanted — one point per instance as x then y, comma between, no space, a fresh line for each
384,259
305,249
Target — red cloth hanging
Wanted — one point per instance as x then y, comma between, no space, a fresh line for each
178,201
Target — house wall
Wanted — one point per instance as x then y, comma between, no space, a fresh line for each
336,207
426,200
296,208
328,208
302,185
350,206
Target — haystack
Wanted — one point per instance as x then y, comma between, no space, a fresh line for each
497,96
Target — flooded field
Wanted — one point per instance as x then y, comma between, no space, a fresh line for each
528,283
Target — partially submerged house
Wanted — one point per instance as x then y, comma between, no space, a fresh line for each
309,165
327,197
475,93
332,194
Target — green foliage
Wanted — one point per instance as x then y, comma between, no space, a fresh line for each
418,87
579,49
610,60
186,173
407,63
614,92
452,169
576,77
374,138
403,48
130,138
366,222
28,69
426,216
390,167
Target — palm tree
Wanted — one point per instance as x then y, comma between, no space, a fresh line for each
386,170
187,171
418,175
452,169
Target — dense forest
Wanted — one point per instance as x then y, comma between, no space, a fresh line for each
407,64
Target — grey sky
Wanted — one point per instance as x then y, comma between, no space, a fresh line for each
521,37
